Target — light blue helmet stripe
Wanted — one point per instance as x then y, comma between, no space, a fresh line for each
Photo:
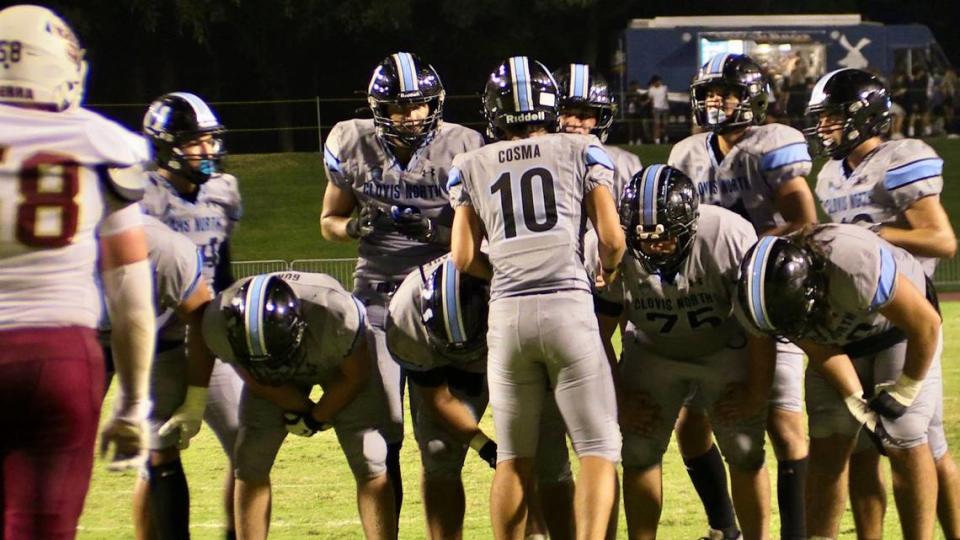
256,295
205,116
651,177
521,82
407,70
716,63
579,86
757,304
451,302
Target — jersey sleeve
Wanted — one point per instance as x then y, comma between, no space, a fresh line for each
334,157
177,261
600,168
235,206
915,172
784,157
344,324
457,190
864,273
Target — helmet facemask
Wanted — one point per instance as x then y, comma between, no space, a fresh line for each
751,107
857,123
407,133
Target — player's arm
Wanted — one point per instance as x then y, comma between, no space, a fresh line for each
746,399
286,396
796,204
608,324
338,207
465,242
128,289
456,417
930,233
223,273
348,382
610,240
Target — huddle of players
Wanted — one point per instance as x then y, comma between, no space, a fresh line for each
669,272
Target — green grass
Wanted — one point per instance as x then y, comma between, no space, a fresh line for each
313,488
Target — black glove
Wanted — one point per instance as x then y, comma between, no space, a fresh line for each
303,424
886,406
362,224
411,223
488,453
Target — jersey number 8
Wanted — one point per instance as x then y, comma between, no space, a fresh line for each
47,212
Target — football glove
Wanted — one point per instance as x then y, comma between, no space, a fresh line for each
303,424
411,223
891,400
871,422
362,225
127,438
188,417
486,448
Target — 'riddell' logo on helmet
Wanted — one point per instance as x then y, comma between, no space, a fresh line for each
525,117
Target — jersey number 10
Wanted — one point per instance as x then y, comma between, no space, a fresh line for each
533,219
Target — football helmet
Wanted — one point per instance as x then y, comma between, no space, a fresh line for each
453,308
265,329
520,93
660,203
403,79
861,103
41,61
739,76
782,287
174,120
579,86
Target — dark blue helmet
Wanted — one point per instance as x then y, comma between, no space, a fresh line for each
730,74
660,203
265,329
581,87
782,287
453,307
520,94
403,79
858,99
175,119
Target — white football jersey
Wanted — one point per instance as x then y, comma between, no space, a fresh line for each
60,174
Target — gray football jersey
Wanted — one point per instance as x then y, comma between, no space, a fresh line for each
697,307
747,178
891,178
861,276
207,222
529,195
625,164
177,267
407,337
334,324
355,159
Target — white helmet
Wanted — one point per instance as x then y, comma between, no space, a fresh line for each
41,61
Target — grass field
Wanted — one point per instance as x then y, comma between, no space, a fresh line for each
313,488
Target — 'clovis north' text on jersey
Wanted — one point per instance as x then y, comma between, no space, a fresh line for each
892,177
696,306
746,179
357,161
529,195
60,174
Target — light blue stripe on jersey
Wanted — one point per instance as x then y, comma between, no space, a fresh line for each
913,172
579,80
785,155
407,72
451,312
331,160
454,178
888,278
521,81
650,180
254,309
757,304
196,277
598,156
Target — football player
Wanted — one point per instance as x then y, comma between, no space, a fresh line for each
528,195
179,379
190,194
677,287
285,333
436,329
892,188
863,312
69,179
392,172
757,170
587,107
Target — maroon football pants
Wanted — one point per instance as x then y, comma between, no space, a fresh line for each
51,388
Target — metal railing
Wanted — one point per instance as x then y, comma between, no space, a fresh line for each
947,277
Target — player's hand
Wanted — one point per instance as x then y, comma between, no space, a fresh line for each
362,225
737,403
871,421
127,440
638,413
891,400
303,424
410,222
486,449
188,417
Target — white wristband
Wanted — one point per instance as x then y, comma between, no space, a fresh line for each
478,441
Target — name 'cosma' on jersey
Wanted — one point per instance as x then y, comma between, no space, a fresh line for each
517,153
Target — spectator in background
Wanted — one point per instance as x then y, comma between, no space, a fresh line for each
948,92
797,93
660,107
633,105
917,120
900,105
